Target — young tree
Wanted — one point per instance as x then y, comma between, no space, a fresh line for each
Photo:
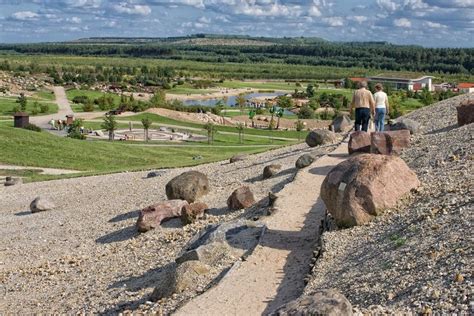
299,127
279,113
240,128
146,122
158,99
252,114
23,102
310,91
110,125
272,121
211,130
240,100
74,130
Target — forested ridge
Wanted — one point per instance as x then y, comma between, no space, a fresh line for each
295,51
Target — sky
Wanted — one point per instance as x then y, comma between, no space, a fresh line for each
431,23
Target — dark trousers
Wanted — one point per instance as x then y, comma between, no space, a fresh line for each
362,119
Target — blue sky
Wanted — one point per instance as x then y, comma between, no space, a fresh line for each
435,23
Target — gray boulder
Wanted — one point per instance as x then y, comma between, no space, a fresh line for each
342,124
41,204
270,171
154,174
304,161
9,181
326,302
239,157
320,137
406,123
188,186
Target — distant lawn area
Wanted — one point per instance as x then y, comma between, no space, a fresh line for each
91,94
27,148
189,89
411,105
276,85
7,104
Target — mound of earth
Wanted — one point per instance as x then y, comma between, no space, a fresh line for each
417,257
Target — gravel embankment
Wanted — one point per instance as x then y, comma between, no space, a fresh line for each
418,257
86,256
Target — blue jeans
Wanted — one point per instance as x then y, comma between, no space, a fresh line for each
362,117
379,119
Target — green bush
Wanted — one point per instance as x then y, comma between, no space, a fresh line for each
32,127
44,108
81,99
305,112
88,107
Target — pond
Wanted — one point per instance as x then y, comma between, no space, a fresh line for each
231,100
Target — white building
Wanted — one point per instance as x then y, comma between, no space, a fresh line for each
466,87
406,83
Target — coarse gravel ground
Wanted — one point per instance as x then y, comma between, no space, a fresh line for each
86,256
418,257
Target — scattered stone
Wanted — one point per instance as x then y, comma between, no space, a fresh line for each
199,157
327,303
272,197
363,186
151,217
188,274
241,198
342,124
304,161
188,186
154,174
459,277
405,124
270,171
190,213
239,157
9,181
465,112
41,204
389,143
320,137
359,142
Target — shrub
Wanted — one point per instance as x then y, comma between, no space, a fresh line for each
44,108
74,131
81,99
88,107
32,127
306,112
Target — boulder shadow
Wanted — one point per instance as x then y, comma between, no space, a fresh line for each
119,235
174,222
442,130
25,213
321,171
125,216
218,211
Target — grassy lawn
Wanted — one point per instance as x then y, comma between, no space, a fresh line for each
7,104
410,105
286,86
248,131
44,95
189,89
92,95
27,148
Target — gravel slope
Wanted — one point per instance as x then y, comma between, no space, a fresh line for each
86,257
418,257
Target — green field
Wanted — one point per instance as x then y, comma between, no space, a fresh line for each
92,95
7,104
27,148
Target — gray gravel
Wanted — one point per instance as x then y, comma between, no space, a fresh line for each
86,257
417,257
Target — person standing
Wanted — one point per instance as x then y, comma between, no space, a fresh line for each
364,105
381,107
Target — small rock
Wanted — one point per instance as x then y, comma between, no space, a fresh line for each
327,303
9,181
192,212
304,161
320,137
154,174
41,204
241,198
458,277
465,112
405,124
152,216
270,171
239,157
342,124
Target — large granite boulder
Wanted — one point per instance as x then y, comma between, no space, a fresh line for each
190,213
465,112
389,143
189,186
241,198
151,217
304,161
41,204
270,171
405,124
320,137
359,142
326,302
364,186
342,124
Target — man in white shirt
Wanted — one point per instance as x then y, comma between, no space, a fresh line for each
381,107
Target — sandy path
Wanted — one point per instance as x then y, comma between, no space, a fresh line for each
51,171
273,275
64,108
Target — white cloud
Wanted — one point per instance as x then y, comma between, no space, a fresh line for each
127,8
435,25
204,20
314,11
75,19
334,21
25,15
388,5
359,18
402,22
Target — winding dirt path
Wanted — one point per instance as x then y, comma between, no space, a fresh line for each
274,274
64,108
